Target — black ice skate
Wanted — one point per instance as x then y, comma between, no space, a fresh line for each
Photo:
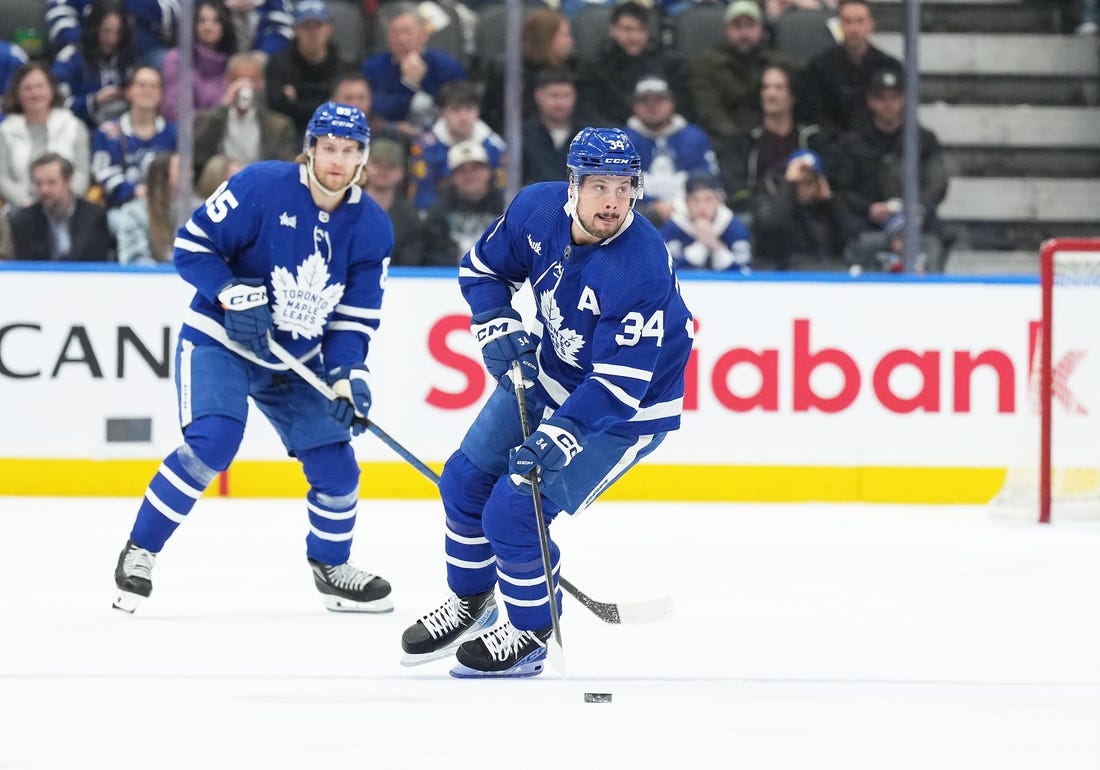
438,634
505,651
346,588
133,577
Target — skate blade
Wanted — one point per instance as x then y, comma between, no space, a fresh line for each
127,602
340,604
488,618
521,671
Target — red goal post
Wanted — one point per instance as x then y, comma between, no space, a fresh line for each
1065,383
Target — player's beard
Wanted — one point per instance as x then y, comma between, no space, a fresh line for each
601,227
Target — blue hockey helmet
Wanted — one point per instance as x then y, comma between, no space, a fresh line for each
340,120
604,151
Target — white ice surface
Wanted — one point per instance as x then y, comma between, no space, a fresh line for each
805,637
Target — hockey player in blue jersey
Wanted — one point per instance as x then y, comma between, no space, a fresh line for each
603,368
296,253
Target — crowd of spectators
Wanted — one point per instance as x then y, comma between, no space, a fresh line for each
755,155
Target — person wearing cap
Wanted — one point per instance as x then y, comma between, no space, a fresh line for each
385,184
869,171
467,205
301,75
798,223
627,54
834,82
459,105
405,78
724,79
703,232
670,148
755,162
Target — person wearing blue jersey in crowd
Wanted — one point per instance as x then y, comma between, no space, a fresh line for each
12,57
295,253
603,368
704,233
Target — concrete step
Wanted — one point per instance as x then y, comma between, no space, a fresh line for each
979,262
1027,55
1064,163
1015,126
1000,199
994,16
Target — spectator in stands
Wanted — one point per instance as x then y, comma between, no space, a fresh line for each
301,76
703,233
869,172
547,43
725,79
386,186
459,104
798,223
36,123
122,149
12,57
352,88
465,207
670,148
261,25
146,227
834,83
214,42
91,75
751,161
216,170
59,225
405,78
547,133
242,127
153,23
623,58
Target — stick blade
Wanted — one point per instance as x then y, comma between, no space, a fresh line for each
650,611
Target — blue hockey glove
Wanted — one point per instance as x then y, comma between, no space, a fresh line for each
247,316
550,448
503,339
352,401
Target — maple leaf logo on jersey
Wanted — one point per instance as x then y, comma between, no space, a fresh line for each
304,301
566,341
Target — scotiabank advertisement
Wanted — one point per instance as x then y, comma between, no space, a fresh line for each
786,374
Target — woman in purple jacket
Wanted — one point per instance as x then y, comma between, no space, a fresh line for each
214,42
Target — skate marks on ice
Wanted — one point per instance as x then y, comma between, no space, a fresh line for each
813,637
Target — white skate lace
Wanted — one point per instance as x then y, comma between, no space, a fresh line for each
506,641
138,563
348,577
447,618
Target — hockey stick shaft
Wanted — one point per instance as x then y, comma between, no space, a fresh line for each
556,657
609,612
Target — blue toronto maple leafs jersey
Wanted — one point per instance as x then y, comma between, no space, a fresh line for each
324,272
615,334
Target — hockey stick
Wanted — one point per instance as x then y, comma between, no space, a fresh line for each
609,612
555,654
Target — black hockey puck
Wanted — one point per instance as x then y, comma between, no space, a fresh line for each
597,697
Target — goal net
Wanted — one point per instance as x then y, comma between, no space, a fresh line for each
1059,476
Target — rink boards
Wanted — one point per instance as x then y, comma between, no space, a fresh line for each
800,388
